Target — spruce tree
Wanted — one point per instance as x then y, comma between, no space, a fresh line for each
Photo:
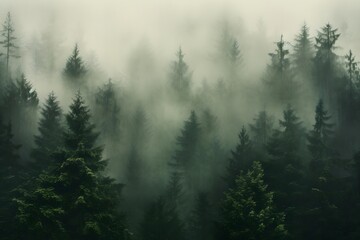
107,111
201,223
262,129
75,69
278,75
74,200
188,142
50,137
180,76
80,135
325,63
248,209
303,55
241,158
319,139
8,41
10,178
284,169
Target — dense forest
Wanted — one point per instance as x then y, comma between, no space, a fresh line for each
184,158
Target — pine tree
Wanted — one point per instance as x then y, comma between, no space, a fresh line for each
284,169
74,200
161,222
9,179
137,141
262,129
8,41
325,63
180,76
303,54
188,142
71,202
248,209
241,158
80,136
278,74
75,69
50,137
108,110
201,223
320,138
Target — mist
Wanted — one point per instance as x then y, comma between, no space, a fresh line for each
158,119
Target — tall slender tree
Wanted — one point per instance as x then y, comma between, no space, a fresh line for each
8,41
180,75
50,137
75,69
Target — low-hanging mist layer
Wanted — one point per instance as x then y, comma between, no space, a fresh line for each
179,120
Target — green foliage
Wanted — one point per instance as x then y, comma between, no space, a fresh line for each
75,68
262,129
50,137
180,76
320,139
188,142
108,111
72,202
248,209
278,74
241,159
161,222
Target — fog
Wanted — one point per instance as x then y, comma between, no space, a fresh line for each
133,47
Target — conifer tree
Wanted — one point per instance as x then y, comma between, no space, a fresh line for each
320,138
108,110
161,222
241,157
180,76
188,142
74,200
50,137
248,209
80,136
8,41
262,130
303,54
201,223
325,63
75,69
278,75
9,179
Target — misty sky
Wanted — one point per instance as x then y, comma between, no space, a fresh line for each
110,31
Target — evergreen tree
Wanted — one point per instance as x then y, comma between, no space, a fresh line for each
161,222
74,200
8,41
262,129
303,54
278,74
50,137
80,136
137,141
75,69
248,209
188,142
108,110
180,76
9,179
201,224
320,139
325,63
71,202
241,158
285,170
